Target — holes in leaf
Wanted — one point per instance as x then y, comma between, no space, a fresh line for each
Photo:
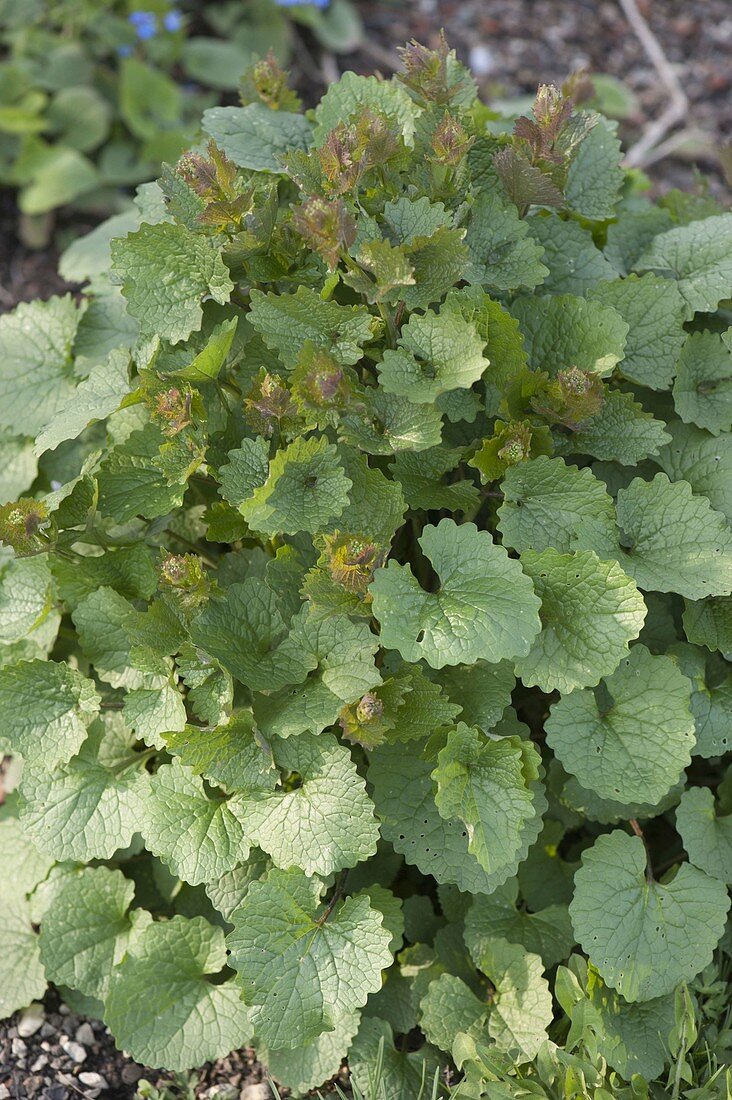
420,637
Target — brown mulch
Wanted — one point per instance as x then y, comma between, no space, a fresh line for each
515,44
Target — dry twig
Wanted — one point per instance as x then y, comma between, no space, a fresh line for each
678,106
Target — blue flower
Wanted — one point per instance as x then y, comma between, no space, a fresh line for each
145,24
173,20
322,4
125,51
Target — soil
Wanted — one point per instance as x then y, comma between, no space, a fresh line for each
512,45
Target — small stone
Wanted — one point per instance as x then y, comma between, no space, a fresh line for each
18,1048
64,1010
74,1050
131,1073
39,1063
55,1092
33,1085
222,1092
260,1091
31,1020
85,1034
47,1030
93,1080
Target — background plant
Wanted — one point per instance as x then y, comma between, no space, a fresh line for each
368,616
96,94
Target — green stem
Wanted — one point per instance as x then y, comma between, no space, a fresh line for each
639,833
390,325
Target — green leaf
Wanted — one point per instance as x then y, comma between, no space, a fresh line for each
129,570
595,177
709,623
287,321
23,864
326,822
634,1038
406,707
149,101
607,811
390,424
230,754
94,399
711,698
704,460
562,331
131,481
255,137
89,255
590,611
645,937
409,220
403,1075
200,837
22,978
86,929
630,739
673,541
303,966
544,877
182,1019
305,1067
438,262
165,271
622,431
305,490
89,808
36,377
109,628
699,257
245,630
547,933
574,263
484,783
481,690
58,177
340,655
228,892
706,835
549,504
485,607
502,252
25,596
404,794
210,687
436,353
703,386
46,708
154,710
654,311
18,466
522,1006
449,1007
631,234
350,96
376,505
